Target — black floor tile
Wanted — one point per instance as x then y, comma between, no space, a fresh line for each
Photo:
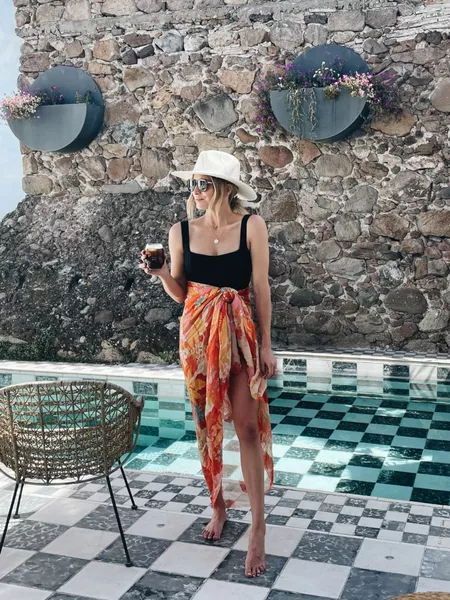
400,452
437,445
434,468
337,550
376,585
414,432
377,438
396,477
162,586
305,453
352,426
366,460
355,487
45,571
432,496
143,550
232,531
232,569
326,469
316,432
343,445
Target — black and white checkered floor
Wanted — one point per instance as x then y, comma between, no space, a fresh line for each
320,546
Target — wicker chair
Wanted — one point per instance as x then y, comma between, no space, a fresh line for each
65,432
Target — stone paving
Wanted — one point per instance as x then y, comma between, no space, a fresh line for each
320,546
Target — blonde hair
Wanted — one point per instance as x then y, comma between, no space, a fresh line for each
223,190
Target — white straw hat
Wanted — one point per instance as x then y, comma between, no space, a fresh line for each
222,165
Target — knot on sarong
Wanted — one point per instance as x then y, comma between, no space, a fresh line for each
228,294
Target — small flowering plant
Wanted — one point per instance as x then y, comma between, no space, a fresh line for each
380,91
21,105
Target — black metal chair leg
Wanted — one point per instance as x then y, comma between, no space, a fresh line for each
133,503
8,518
16,514
129,562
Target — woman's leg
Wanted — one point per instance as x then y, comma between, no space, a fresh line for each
245,418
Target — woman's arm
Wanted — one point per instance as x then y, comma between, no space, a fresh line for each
174,282
259,249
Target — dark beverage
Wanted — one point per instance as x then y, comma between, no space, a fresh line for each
154,256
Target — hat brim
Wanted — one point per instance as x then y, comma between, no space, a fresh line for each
245,192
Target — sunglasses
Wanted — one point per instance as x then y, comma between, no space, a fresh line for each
201,184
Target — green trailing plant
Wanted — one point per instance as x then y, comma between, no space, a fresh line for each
380,92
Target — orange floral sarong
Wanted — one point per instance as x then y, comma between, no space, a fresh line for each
218,338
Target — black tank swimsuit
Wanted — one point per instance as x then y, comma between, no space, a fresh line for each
233,269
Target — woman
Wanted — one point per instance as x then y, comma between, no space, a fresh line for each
213,258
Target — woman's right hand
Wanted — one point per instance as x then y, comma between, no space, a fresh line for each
162,272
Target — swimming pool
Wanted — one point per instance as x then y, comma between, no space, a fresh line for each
354,423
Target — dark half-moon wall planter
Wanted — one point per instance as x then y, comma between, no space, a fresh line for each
66,127
333,118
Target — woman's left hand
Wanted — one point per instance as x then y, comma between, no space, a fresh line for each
267,362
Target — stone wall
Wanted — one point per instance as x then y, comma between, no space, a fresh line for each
359,229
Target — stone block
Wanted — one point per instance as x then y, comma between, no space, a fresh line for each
118,8
107,50
37,184
216,113
382,17
346,20
35,62
135,77
333,165
287,35
275,156
250,36
316,34
347,268
390,225
150,6
434,222
440,96
171,41
239,81
408,300
77,10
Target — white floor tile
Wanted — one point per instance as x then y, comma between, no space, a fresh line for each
190,559
332,499
377,504
99,497
299,523
417,509
280,541
11,558
102,581
424,584
392,557
162,524
313,578
17,592
343,528
81,543
388,534
65,511
224,590
294,495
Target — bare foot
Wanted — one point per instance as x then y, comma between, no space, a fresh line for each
213,530
255,562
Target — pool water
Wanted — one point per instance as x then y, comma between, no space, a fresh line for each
388,438
366,423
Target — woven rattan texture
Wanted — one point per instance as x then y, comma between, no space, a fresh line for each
53,431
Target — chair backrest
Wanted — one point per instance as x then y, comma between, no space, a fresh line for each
65,429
